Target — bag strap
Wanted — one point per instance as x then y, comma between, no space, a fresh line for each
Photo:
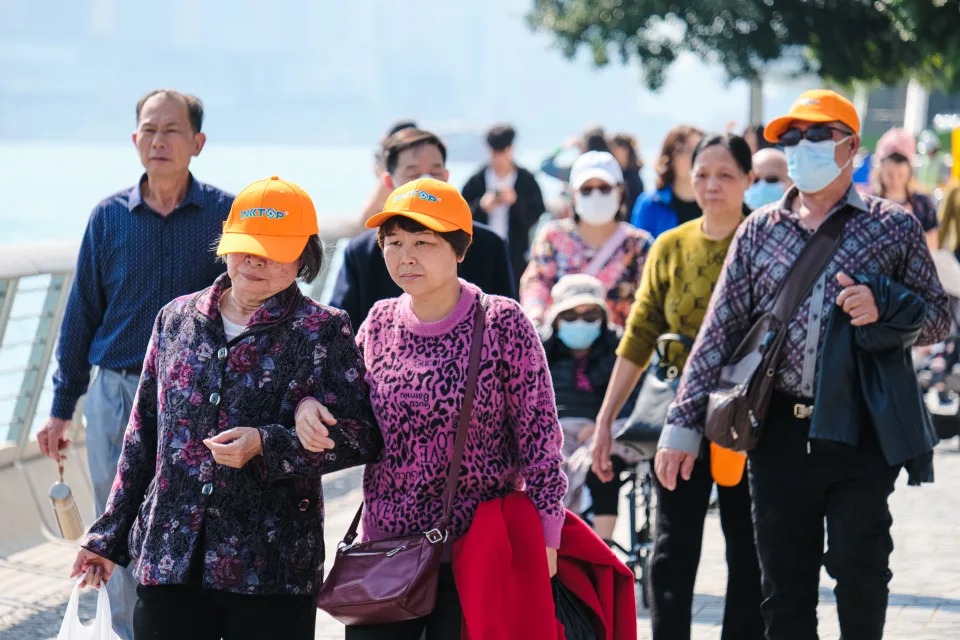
606,251
473,371
810,264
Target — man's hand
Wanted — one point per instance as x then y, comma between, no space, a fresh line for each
235,447
552,561
51,438
312,420
96,568
670,462
857,301
489,201
602,443
508,196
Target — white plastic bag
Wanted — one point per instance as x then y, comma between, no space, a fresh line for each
100,629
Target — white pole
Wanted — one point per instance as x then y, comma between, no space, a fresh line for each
915,110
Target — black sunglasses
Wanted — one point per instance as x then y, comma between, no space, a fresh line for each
814,133
589,316
768,179
605,189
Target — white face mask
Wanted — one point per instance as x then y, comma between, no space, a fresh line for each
597,208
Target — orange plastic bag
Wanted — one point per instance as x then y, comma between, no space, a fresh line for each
726,466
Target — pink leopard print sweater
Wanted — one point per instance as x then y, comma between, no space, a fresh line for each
417,373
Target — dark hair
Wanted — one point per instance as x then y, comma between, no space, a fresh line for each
672,144
460,240
594,139
193,103
733,143
311,259
406,139
400,125
501,136
628,142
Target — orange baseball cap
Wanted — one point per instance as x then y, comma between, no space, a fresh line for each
272,218
435,204
819,105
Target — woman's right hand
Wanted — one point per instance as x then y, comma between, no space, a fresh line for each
600,448
312,420
671,463
95,569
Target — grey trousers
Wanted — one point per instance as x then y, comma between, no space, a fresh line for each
106,410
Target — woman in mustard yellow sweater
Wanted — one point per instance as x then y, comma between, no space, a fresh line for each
680,274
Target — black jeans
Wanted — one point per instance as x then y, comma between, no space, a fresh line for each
443,624
676,554
188,612
794,489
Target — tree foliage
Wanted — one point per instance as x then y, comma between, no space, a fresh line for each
881,41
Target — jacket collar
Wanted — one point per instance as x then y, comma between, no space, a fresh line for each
851,199
194,195
272,311
664,195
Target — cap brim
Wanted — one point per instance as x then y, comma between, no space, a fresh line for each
573,303
590,174
776,127
278,248
434,224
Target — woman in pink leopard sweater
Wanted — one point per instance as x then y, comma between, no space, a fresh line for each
416,349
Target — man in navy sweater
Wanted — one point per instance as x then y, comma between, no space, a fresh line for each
363,279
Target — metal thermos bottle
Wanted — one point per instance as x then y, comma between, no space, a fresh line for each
65,508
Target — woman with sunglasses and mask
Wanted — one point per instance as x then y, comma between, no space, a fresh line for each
678,280
892,179
594,241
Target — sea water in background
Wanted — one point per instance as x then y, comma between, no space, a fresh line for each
50,188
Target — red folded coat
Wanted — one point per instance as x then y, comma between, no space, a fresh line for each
501,573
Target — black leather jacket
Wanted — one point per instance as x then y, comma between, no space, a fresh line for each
867,378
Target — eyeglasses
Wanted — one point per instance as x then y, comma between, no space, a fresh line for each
587,316
767,179
605,190
814,133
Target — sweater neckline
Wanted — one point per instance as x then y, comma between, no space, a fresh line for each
468,294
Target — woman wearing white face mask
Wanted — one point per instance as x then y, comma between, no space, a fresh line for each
595,241
681,273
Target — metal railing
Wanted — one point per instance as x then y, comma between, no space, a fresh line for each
35,281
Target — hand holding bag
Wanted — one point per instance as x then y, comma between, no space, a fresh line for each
395,579
658,389
737,408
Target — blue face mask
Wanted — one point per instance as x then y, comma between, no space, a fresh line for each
811,165
761,193
578,334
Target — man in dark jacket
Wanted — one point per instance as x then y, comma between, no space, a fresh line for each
363,279
506,197
821,459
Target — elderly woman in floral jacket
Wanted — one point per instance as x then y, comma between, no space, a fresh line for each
216,502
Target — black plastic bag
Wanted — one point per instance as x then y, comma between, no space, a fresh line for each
573,614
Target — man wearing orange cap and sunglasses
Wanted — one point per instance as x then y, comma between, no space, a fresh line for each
831,448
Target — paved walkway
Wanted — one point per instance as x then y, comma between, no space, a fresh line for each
924,600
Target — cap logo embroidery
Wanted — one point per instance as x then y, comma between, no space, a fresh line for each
419,193
809,102
269,213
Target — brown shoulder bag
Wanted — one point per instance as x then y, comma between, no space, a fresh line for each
395,579
737,408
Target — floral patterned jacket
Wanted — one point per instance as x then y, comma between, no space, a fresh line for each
259,529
